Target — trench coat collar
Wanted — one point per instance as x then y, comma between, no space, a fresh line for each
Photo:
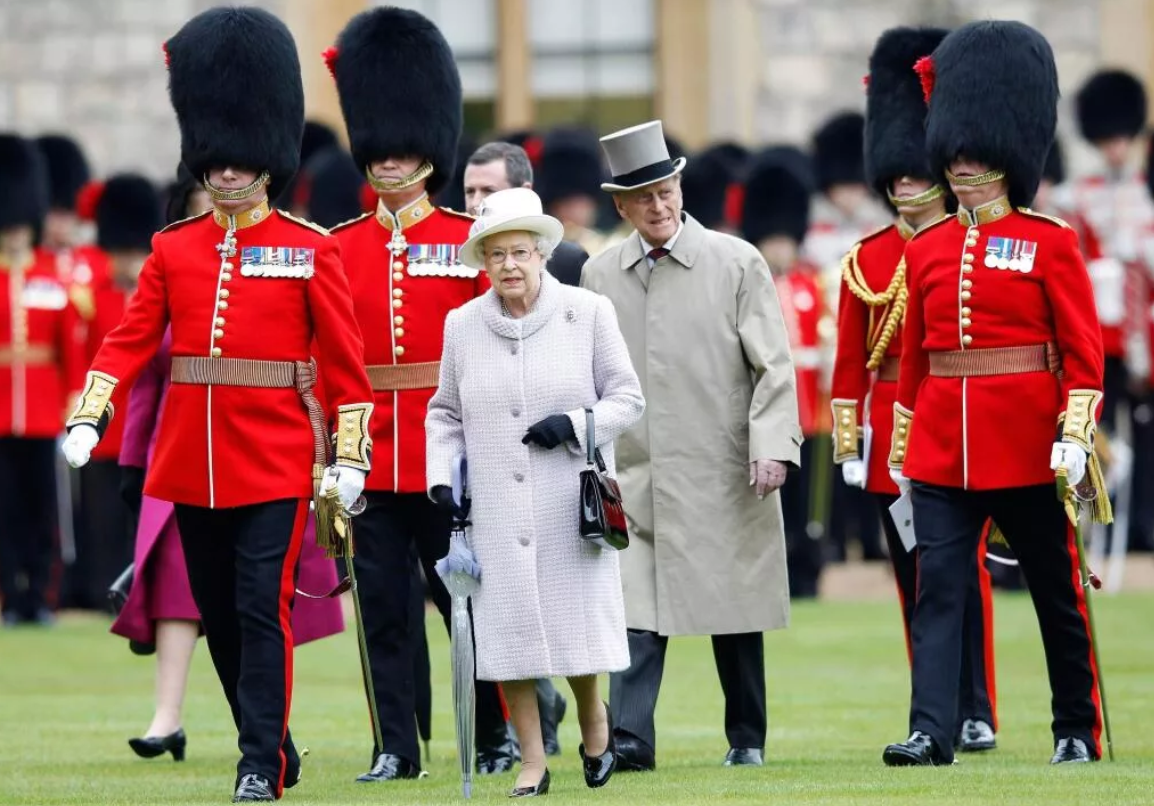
685,249
547,301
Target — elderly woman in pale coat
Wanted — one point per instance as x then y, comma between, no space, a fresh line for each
521,363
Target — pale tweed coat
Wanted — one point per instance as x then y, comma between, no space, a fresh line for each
710,346
550,604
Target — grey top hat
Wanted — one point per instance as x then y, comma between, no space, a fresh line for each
638,156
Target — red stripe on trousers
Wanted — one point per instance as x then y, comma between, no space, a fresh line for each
987,594
287,591
1080,597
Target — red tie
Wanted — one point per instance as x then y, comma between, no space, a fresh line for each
657,254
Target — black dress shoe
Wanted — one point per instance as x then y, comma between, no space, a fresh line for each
542,788
253,788
917,751
498,757
552,712
390,767
598,769
633,755
153,746
1071,751
975,736
744,757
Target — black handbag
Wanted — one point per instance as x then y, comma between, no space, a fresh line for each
118,590
602,509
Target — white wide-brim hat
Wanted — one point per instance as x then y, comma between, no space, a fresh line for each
512,210
638,156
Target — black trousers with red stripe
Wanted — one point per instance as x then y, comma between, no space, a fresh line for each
242,567
949,523
977,696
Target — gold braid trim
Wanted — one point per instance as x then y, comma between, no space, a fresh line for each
895,296
1077,425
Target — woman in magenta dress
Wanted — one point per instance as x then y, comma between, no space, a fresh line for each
160,612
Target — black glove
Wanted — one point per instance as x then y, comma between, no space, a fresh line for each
443,497
132,487
550,432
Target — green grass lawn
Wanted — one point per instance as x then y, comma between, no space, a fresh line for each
838,692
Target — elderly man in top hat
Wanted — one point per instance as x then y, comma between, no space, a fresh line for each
1000,383
701,470
250,293
405,273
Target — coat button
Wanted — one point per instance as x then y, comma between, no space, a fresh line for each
967,268
223,293
524,541
966,311
220,321
398,320
222,305
218,334
226,277
965,295
516,348
967,339
516,412
519,476
400,331
399,350
966,322
398,276
216,352
398,293
967,284
397,264
397,303
968,258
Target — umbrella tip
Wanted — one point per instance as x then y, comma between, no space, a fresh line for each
469,789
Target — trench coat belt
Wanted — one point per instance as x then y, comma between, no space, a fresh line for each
33,354
996,361
399,377
888,370
298,375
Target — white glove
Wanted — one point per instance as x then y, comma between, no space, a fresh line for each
1071,457
853,472
900,479
77,446
350,483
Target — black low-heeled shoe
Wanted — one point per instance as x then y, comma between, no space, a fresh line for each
598,769
153,746
541,788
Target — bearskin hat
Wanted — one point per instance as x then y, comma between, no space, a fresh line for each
23,183
838,151
994,99
128,214
1112,103
400,90
335,182
707,179
777,195
570,165
895,128
177,194
452,195
235,83
67,169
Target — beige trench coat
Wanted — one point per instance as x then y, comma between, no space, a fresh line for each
710,348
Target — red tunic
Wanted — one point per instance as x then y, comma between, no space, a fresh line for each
41,364
109,301
994,431
803,307
401,310
870,397
228,446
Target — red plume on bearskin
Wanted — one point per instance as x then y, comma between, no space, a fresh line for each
87,199
924,67
533,147
330,57
164,50
865,81
734,204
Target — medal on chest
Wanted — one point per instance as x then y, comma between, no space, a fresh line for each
1010,253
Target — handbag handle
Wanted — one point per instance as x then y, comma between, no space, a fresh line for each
590,442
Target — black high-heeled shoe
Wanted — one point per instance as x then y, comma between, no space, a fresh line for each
542,788
599,769
153,746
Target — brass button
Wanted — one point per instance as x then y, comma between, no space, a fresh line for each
846,439
397,303
965,295
225,277
966,311
398,276
399,350
218,334
220,321
216,352
967,258
845,418
967,269
223,293
966,322
397,264
222,305
967,284
398,320
398,293
967,339
400,331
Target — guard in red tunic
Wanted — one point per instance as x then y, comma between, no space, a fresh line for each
248,293
871,307
1000,382
405,277
40,368
775,216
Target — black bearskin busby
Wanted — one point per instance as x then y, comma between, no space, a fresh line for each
335,183
67,169
452,195
570,165
838,151
178,193
1055,168
994,99
1111,104
895,133
706,181
317,137
235,83
128,214
23,183
400,90
777,195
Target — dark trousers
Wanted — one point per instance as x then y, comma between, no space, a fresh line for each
852,516
1116,391
104,539
27,524
385,533
976,687
740,660
949,523
242,568
804,550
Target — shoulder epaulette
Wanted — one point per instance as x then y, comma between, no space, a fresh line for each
876,233
934,225
457,213
1043,216
183,221
350,222
303,222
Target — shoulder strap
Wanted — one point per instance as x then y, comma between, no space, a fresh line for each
590,438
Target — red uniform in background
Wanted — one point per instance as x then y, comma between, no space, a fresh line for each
803,308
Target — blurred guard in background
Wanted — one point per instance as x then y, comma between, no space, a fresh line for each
40,370
775,217
569,183
871,310
712,184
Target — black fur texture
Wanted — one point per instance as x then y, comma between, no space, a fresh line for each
128,214
1111,104
838,148
706,180
334,187
67,169
777,195
570,165
23,183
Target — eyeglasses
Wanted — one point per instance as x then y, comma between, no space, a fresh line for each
520,256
